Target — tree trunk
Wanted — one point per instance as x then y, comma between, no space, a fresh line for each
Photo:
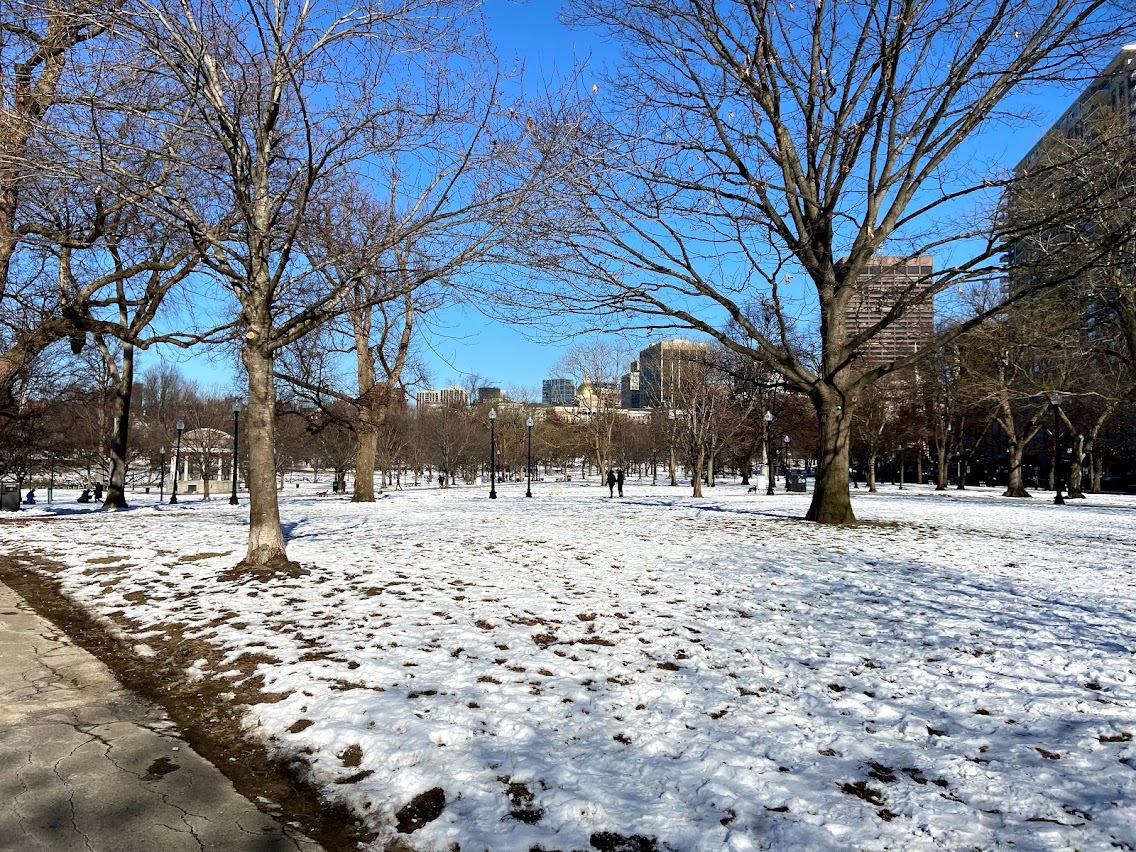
1015,487
266,538
674,467
699,467
696,479
831,501
871,473
942,472
1076,464
120,436
366,438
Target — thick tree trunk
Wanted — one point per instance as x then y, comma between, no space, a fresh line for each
1076,463
366,437
699,467
1015,487
266,538
831,501
942,471
120,436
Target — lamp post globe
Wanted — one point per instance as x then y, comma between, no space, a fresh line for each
769,450
492,454
1055,400
528,491
236,420
177,462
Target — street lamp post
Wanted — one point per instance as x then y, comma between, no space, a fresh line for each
1055,400
492,454
528,492
769,450
786,440
236,420
161,474
177,463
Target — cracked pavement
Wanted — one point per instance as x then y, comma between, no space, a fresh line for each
86,765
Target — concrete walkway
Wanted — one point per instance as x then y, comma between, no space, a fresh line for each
86,765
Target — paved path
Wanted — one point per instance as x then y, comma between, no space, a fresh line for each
86,765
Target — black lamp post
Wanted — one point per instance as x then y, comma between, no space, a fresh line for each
492,455
1056,400
786,440
162,474
528,491
236,420
177,463
769,449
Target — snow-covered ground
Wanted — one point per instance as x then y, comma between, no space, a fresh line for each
958,671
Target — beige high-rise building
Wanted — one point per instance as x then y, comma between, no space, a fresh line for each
885,281
661,366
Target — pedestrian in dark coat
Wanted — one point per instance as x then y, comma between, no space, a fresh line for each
619,480
98,492
610,483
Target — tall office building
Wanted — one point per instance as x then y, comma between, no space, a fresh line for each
630,388
558,392
1113,89
661,366
884,281
1112,94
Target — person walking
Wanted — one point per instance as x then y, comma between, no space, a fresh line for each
619,480
98,492
610,482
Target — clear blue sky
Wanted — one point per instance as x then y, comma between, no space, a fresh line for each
530,33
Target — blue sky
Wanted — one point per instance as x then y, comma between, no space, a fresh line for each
467,342
528,32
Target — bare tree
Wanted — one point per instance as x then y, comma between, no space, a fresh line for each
1009,368
596,367
700,399
40,40
73,163
281,103
752,145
